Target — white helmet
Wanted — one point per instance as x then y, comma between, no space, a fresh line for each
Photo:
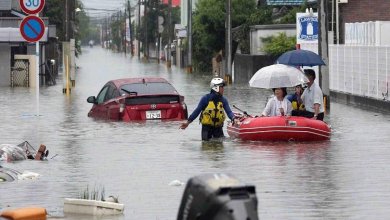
216,83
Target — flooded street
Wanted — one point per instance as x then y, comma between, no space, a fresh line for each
345,178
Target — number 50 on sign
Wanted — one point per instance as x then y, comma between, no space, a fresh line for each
32,6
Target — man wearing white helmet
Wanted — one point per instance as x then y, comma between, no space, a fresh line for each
212,108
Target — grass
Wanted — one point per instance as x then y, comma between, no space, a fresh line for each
97,193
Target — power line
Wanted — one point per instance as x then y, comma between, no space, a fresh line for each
100,9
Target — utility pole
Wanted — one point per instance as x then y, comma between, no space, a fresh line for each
131,34
323,50
228,43
169,33
138,29
73,18
120,31
146,45
125,32
66,20
157,31
189,36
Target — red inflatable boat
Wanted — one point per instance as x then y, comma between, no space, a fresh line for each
279,128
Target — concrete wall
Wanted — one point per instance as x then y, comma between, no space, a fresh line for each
5,64
258,32
245,66
364,102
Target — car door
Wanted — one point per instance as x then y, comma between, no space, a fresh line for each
111,110
99,110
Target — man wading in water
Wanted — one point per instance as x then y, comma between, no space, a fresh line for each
212,108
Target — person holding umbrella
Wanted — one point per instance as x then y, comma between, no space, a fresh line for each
212,108
312,98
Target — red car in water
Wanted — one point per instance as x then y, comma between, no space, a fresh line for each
133,99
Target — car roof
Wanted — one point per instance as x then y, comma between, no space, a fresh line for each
120,82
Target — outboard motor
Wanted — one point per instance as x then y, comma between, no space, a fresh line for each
218,197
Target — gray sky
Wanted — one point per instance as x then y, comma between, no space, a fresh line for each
104,5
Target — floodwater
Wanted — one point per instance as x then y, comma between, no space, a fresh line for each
347,177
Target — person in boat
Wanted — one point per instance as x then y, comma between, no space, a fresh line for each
278,105
296,100
312,98
212,108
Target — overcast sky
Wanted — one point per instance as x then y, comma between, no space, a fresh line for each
104,5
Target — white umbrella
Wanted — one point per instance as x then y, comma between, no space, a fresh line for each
277,76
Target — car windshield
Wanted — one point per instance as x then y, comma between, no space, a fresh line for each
148,88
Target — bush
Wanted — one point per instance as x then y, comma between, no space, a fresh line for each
277,45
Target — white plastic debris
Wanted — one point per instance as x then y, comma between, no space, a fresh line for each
28,175
176,183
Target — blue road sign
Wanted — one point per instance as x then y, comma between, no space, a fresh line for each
32,28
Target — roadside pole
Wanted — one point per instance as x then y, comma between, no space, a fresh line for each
138,28
323,50
131,33
146,44
168,58
189,34
37,73
32,29
228,42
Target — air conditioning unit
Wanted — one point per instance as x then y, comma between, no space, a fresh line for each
343,1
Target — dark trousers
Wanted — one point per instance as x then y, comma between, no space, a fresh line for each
211,132
307,114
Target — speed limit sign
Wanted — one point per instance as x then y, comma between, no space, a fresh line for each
32,6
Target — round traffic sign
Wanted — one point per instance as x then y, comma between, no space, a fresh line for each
32,6
32,28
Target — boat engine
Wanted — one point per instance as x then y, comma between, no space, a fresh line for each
218,197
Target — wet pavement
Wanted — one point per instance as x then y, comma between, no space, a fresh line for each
345,178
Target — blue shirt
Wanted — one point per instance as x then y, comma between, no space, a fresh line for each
292,97
204,101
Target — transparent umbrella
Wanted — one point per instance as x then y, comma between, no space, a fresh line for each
277,76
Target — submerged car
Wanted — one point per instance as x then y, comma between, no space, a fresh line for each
133,99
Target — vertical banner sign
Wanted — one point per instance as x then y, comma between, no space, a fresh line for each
307,28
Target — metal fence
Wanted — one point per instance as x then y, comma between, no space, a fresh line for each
20,73
360,70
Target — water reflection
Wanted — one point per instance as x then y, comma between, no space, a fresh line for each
213,149
343,178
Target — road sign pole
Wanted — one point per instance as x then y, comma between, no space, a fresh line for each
37,74
32,29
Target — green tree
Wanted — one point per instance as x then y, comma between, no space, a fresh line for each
291,16
277,45
155,9
54,10
209,28
261,15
